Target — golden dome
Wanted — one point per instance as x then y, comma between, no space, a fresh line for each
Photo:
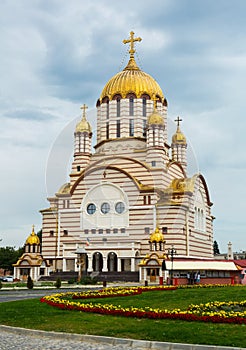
33,238
155,118
179,137
132,80
83,125
156,236
64,189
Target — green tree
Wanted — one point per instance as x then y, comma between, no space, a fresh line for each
216,248
58,283
39,234
9,256
29,283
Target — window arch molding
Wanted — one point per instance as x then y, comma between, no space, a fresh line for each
108,207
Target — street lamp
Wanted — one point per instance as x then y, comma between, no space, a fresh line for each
81,261
171,252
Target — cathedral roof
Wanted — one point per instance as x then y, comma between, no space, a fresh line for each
183,185
179,137
156,236
33,238
132,80
64,189
155,118
83,125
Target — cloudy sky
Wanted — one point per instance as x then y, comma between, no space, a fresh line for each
58,54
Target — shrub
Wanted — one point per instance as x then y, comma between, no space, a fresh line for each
88,280
58,283
29,283
71,281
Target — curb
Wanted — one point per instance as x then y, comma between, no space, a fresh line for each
143,344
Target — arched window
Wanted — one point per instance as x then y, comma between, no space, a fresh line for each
97,262
131,127
199,213
118,128
118,107
107,110
144,127
144,107
112,261
131,106
107,130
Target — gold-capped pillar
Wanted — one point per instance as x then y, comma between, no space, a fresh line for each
157,241
82,145
179,146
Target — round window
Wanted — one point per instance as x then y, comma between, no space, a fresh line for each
119,207
105,208
91,208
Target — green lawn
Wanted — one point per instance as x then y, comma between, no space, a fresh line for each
36,315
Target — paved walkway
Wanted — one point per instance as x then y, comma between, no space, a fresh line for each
26,339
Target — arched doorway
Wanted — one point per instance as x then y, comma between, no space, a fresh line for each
112,261
97,262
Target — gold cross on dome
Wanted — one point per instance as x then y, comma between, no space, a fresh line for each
178,120
131,41
84,108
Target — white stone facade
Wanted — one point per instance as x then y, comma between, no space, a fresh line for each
117,196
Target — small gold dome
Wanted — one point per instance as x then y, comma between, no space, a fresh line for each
132,80
155,118
83,126
156,236
33,238
64,189
179,137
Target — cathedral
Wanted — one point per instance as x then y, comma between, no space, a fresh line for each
130,196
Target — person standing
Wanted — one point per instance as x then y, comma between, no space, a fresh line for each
198,277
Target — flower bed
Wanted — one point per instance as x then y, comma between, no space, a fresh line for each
204,312
118,292
218,308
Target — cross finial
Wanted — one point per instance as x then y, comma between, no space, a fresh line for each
178,120
84,108
33,228
131,41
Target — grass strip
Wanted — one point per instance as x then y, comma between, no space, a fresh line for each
35,315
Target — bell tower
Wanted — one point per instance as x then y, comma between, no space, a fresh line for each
82,143
156,146
179,146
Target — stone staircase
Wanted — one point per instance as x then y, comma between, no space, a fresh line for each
123,276
111,276
64,276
